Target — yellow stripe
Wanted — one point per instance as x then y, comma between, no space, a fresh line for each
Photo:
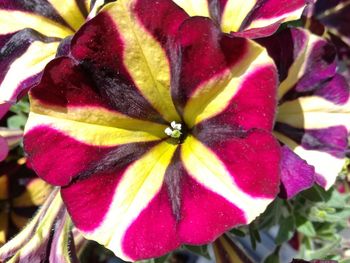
194,7
98,116
205,167
325,164
234,14
12,21
36,193
314,113
214,96
69,11
30,63
138,186
4,181
298,68
294,15
231,251
145,59
92,134
3,227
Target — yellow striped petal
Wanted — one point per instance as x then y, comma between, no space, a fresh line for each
213,96
144,58
16,20
205,167
139,184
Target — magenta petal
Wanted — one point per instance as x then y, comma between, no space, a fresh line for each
296,174
4,149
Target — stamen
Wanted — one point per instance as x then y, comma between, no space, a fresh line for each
174,131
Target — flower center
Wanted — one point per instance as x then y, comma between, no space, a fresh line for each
174,131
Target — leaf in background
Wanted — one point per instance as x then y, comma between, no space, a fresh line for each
286,230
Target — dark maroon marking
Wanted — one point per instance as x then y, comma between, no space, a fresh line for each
64,47
98,48
64,84
161,19
15,45
284,47
323,5
172,180
332,140
39,7
205,52
296,174
339,20
82,7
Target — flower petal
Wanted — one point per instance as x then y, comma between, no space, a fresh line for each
144,68
23,54
296,174
214,69
195,7
135,184
243,15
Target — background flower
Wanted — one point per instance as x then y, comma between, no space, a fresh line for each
252,18
30,34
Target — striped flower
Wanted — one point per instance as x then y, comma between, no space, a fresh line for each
314,109
248,18
157,128
30,34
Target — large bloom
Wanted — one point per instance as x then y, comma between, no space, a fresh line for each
157,128
248,18
30,34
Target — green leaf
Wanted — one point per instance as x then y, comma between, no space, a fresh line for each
237,232
323,252
304,226
17,121
199,250
20,107
286,230
274,257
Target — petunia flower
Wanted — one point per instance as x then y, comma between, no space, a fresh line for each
313,118
252,18
99,123
21,192
30,34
